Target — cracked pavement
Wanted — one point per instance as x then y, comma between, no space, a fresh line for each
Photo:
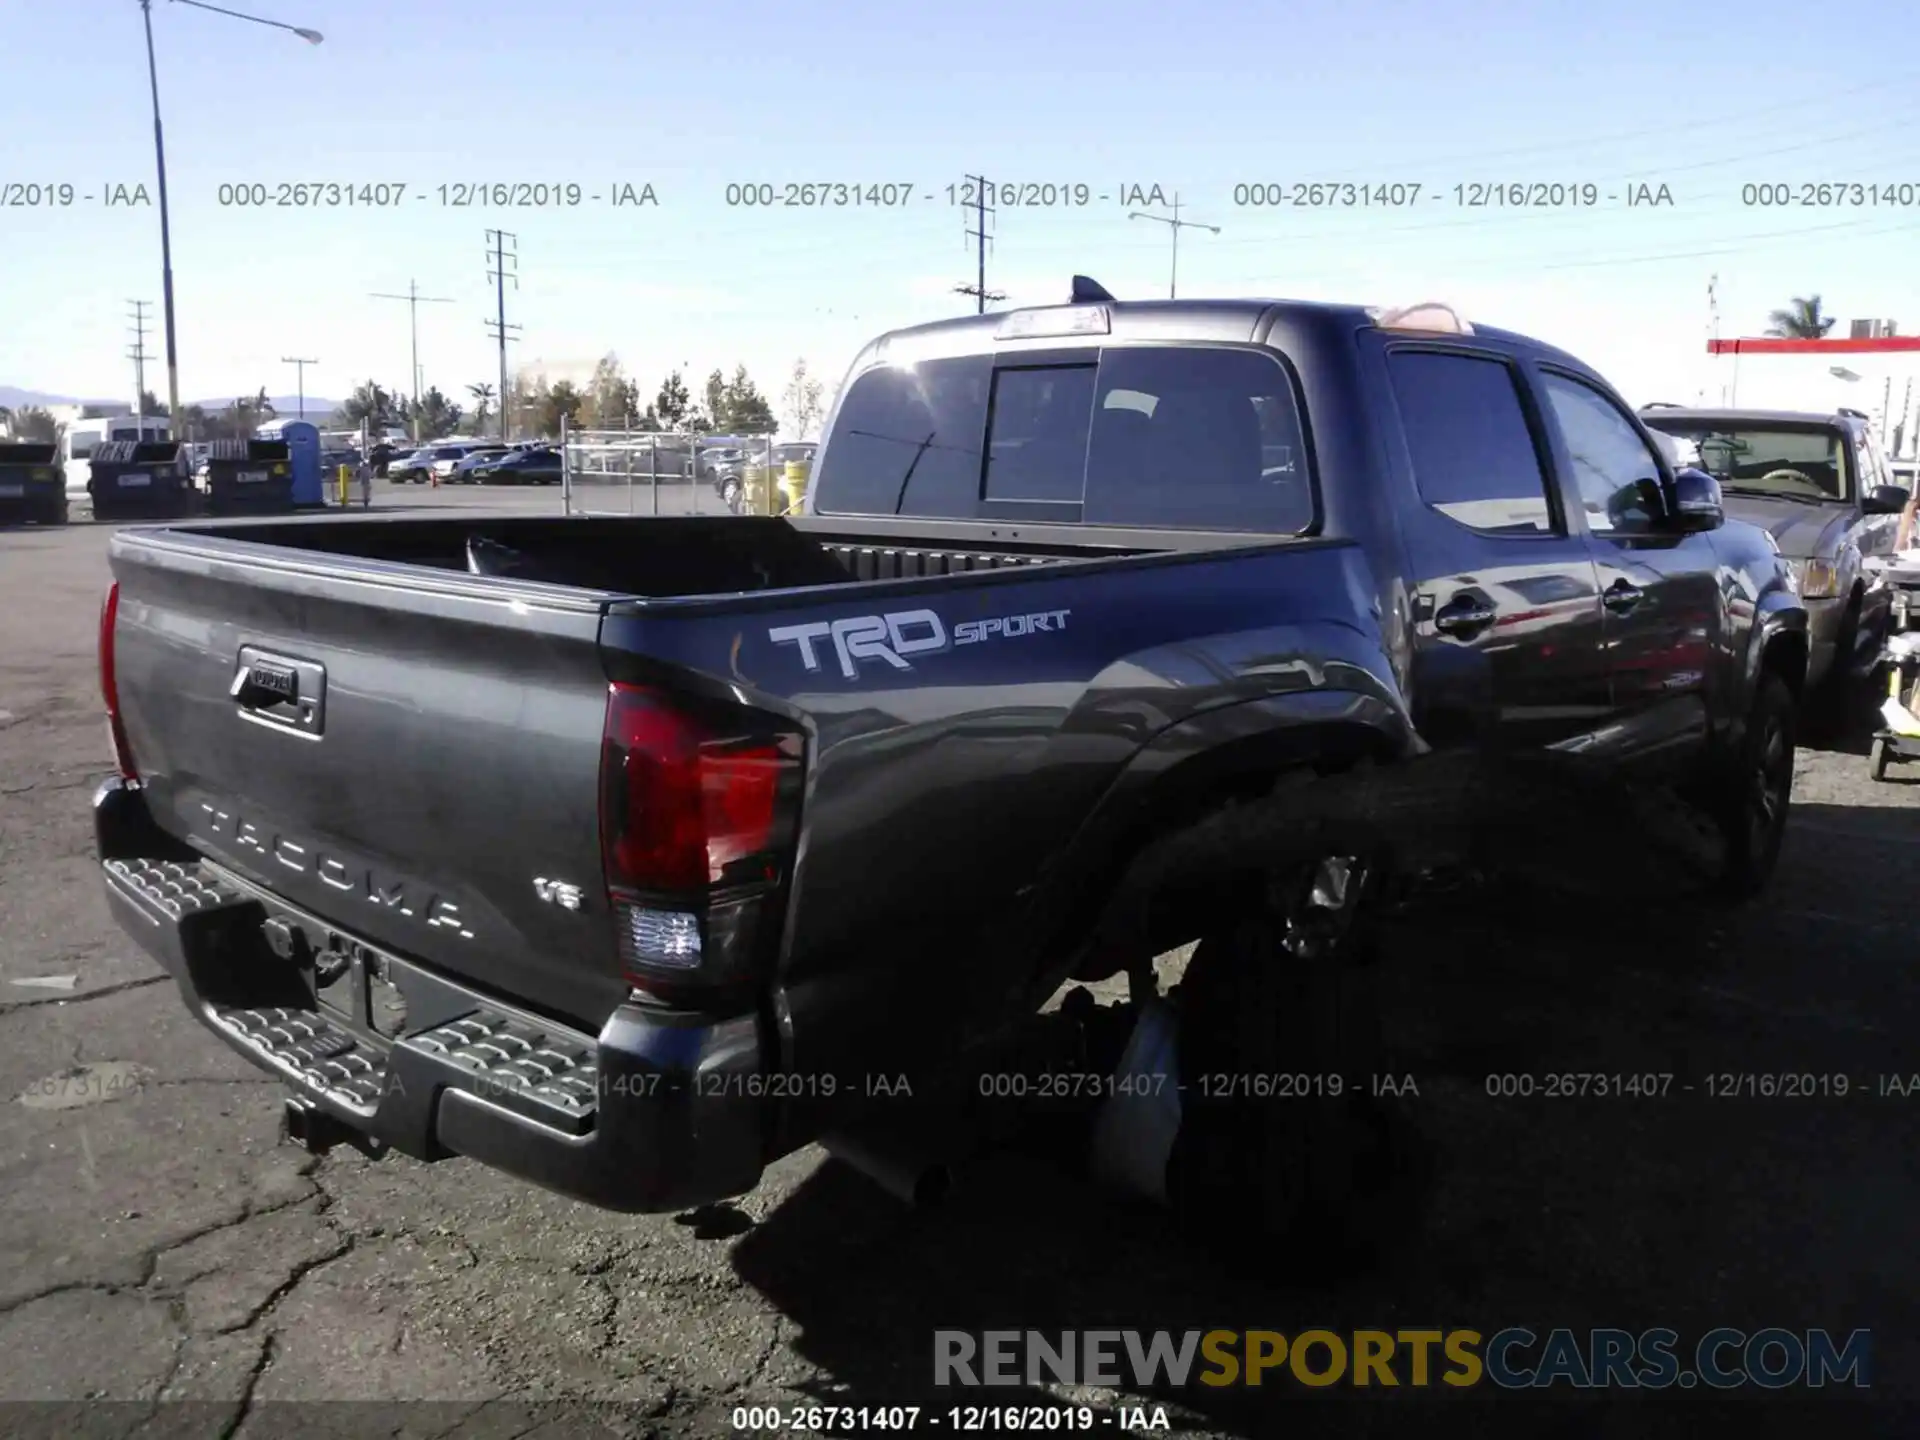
169,1266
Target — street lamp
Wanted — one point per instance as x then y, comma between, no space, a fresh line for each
1175,224
312,37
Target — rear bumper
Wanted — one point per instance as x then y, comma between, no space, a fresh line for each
660,1111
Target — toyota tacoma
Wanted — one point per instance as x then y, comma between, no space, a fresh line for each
622,854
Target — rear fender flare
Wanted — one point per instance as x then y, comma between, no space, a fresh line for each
1234,750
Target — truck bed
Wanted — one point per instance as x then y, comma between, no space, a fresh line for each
685,556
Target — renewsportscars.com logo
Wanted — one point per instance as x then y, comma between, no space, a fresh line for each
1512,1359
890,638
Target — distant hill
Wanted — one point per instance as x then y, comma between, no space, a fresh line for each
318,406
13,397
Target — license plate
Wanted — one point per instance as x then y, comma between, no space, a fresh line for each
12,492
251,477
128,482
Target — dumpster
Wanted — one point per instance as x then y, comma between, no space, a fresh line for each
33,487
249,477
302,439
140,479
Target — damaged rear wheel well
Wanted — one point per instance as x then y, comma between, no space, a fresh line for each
1183,829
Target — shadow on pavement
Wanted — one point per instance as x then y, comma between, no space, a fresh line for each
1760,1174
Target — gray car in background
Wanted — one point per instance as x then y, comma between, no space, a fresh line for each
1819,484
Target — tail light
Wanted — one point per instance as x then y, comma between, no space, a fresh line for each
109,685
699,813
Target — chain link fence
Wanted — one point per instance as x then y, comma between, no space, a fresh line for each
634,472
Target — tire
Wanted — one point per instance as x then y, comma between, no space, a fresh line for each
1882,757
1828,709
1756,792
1312,1181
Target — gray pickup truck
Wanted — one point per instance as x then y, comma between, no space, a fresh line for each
1821,487
624,853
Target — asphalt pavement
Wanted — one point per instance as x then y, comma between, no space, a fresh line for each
168,1265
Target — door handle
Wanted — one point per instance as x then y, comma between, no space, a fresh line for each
1621,597
1464,614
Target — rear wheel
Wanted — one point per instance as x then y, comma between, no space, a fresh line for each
1283,1140
1753,797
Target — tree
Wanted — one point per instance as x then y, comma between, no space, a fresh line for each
673,401
192,423
560,402
369,405
719,401
611,397
1801,320
482,395
439,416
35,423
747,411
801,401
150,404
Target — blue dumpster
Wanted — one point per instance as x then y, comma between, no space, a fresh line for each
303,453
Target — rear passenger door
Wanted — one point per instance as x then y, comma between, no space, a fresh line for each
1660,592
1506,601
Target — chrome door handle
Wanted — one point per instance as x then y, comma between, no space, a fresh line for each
1463,615
1621,597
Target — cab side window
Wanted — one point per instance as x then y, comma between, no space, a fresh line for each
1617,472
1473,453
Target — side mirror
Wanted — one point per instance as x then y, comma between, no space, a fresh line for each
1696,502
1886,500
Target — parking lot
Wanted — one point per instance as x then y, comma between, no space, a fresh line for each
162,1245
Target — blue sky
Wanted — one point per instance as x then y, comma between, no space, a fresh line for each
1194,97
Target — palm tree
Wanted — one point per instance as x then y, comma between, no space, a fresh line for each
482,405
1801,320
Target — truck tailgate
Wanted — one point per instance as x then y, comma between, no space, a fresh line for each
388,748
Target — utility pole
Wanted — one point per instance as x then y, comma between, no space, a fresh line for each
1176,224
139,356
300,371
414,300
1713,323
980,237
500,275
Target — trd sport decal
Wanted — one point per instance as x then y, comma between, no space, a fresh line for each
892,637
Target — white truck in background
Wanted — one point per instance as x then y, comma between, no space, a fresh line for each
83,437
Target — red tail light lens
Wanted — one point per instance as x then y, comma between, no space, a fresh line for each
690,803
109,685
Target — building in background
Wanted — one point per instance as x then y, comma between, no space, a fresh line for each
1872,369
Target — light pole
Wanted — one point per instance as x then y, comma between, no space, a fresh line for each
312,37
301,371
1176,224
414,300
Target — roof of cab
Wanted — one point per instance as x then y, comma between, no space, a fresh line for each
1230,321
1839,420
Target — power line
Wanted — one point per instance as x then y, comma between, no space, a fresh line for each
138,354
499,274
980,238
300,369
1735,244
1175,224
1742,117
414,300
